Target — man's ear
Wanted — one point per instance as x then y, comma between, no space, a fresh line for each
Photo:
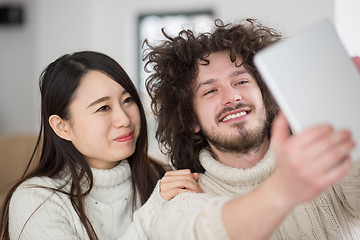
196,128
60,127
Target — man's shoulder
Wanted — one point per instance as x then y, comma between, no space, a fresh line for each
188,203
190,198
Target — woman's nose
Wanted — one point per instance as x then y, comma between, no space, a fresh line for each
121,119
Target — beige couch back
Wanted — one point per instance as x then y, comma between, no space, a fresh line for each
15,152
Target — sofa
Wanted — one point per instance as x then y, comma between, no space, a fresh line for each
15,152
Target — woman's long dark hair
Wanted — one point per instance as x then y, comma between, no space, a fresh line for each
58,83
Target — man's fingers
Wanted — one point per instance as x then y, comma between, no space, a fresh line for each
336,172
335,151
280,130
357,62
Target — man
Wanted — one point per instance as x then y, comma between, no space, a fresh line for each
216,117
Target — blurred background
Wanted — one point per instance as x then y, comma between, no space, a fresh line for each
33,33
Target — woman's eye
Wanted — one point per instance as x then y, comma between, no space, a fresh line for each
128,100
103,108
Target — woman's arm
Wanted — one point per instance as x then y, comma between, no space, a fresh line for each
173,183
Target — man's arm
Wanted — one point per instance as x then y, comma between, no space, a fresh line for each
305,180
307,165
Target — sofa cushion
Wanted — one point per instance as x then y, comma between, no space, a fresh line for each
15,152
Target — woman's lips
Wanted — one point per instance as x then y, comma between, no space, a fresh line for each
125,138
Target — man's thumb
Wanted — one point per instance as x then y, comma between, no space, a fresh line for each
280,130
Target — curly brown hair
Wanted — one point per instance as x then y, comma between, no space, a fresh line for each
174,66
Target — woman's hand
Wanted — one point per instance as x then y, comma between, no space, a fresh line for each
175,182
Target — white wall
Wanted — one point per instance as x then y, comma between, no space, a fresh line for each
17,74
347,20
55,27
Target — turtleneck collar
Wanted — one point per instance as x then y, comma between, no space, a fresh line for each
234,176
111,177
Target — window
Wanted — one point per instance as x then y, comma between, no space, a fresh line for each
149,27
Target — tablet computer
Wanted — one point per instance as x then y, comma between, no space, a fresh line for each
314,80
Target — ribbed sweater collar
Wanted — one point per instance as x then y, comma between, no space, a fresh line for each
112,177
234,176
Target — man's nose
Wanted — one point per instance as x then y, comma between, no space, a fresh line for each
230,96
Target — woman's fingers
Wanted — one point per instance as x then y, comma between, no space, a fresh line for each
175,182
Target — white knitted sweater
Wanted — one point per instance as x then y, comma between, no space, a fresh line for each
334,215
38,213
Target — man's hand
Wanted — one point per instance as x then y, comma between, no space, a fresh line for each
309,162
357,61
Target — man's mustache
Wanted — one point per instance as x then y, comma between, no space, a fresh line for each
229,109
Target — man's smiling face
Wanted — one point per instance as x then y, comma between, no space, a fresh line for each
229,106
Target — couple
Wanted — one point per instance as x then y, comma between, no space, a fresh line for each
216,118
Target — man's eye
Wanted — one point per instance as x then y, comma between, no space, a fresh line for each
209,92
240,82
103,108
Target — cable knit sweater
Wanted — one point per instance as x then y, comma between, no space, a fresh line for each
38,213
333,215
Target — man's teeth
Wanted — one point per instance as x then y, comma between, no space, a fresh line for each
231,116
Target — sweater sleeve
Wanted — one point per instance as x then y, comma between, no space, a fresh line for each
348,190
190,216
39,213
143,217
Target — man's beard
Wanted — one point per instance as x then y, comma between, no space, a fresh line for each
244,142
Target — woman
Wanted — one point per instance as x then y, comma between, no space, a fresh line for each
93,169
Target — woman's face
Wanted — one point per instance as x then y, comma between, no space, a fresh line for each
104,122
